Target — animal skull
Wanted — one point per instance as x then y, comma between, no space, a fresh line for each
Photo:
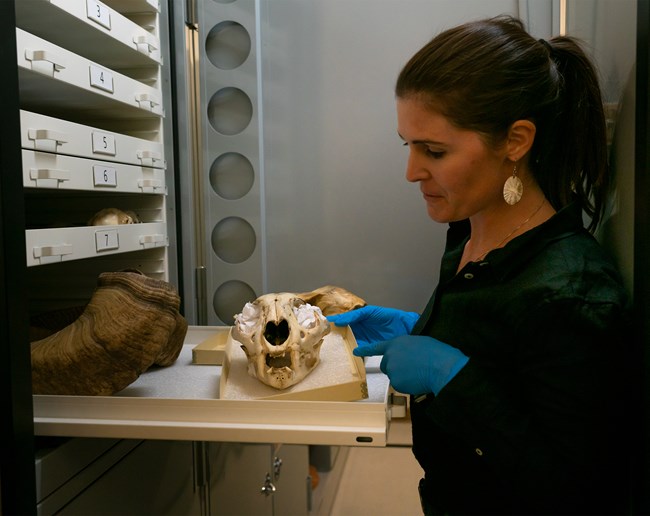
281,335
113,217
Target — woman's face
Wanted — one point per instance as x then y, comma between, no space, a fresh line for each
459,175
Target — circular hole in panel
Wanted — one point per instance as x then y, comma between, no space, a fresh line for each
230,111
232,175
228,45
229,299
233,239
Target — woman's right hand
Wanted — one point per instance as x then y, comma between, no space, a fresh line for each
371,324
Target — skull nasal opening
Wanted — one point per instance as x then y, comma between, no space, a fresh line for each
276,334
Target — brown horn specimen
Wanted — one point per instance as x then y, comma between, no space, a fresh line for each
131,323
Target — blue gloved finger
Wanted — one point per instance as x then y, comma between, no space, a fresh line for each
383,365
338,319
351,317
370,350
362,343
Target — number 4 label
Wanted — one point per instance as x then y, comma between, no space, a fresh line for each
100,78
99,13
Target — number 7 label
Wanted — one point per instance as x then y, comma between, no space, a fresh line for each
105,240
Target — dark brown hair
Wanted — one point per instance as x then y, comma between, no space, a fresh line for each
485,75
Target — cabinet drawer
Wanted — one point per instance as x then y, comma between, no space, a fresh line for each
92,29
47,170
134,6
74,243
44,133
53,76
181,402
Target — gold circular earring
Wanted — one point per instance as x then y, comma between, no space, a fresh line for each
513,188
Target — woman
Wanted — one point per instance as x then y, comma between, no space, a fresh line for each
519,364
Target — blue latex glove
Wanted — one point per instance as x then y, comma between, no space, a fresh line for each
371,324
416,364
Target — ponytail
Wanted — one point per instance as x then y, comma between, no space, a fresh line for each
573,142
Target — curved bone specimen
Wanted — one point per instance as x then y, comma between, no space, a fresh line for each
332,300
281,335
113,217
131,323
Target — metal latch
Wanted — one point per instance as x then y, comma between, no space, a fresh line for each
268,488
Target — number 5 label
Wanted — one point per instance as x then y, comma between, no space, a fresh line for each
103,143
99,13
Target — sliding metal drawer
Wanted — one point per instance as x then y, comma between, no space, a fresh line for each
48,170
74,243
52,77
181,402
44,133
92,29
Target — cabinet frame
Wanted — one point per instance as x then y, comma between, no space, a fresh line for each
17,475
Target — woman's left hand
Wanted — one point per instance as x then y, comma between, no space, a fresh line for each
416,364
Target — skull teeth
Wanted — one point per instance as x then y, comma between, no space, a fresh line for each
279,361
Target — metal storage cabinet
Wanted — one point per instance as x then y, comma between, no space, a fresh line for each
155,477
17,479
252,479
174,477
96,132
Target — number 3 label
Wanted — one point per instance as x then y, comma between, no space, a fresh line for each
98,12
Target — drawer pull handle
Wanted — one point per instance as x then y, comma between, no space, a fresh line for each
147,101
46,139
52,250
44,62
146,43
152,239
150,183
49,173
149,158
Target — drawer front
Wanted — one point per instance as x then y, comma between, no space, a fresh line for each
79,74
47,170
48,134
92,29
65,244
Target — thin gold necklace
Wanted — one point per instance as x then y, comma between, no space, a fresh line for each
483,255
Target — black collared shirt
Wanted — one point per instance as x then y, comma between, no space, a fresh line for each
532,423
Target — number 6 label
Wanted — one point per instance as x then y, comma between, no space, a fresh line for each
104,176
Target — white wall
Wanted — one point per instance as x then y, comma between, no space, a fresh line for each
338,208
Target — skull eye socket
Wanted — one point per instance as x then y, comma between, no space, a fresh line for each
276,334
